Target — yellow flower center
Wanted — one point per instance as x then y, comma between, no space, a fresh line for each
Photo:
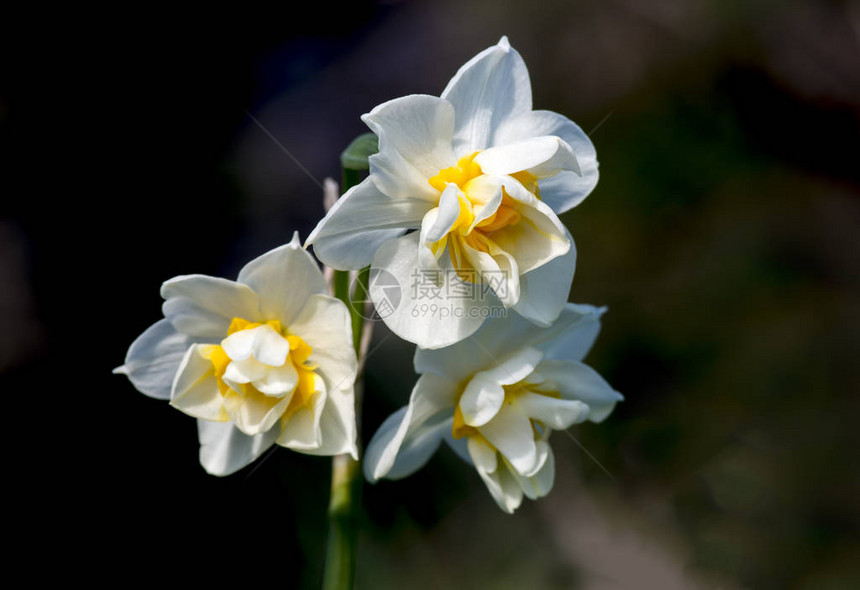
461,173
460,428
465,231
299,353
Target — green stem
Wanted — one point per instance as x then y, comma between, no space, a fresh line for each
345,503
343,523
341,287
359,296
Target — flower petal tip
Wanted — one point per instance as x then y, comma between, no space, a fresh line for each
372,475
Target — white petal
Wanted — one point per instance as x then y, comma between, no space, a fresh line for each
567,189
485,192
483,455
504,488
417,428
270,348
407,311
419,447
360,221
497,339
246,371
240,345
448,212
224,449
381,452
568,337
484,394
491,87
153,359
511,433
580,382
326,327
302,431
193,368
283,279
277,381
544,290
539,484
538,237
428,261
543,480
458,361
254,413
481,400
542,453
203,306
195,389
541,156
498,269
580,325
557,414
516,367
337,426
299,432
415,134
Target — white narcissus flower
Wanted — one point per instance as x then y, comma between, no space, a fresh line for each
481,178
495,398
267,359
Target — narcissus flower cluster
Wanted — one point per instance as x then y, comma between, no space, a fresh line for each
462,201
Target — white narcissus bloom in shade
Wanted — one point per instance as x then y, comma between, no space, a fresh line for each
267,359
481,178
495,398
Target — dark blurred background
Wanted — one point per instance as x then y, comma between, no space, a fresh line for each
138,145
